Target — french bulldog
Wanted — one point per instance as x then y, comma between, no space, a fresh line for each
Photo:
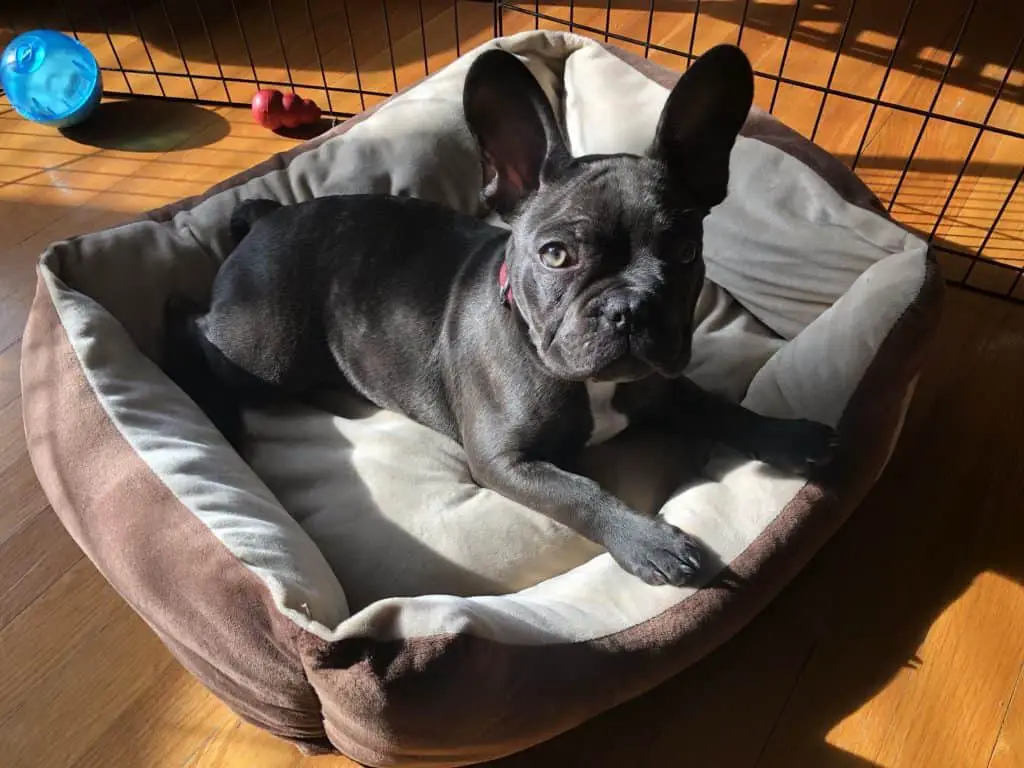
523,344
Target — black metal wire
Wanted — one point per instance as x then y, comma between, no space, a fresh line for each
832,71
931,107
280,43
391,48
213,49
978,136
458,37
785,55
693,35
67,17
874,101
881,87
423,36
991,230
319,57
245,42
743,22
217,103
576,23
113,49
359,90
145,47
650,30
181,51
355,60
1002,210
998,266
1013,285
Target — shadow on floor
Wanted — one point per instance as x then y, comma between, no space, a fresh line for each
945,513
149,125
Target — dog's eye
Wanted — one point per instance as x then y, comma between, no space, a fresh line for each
555,255
688,251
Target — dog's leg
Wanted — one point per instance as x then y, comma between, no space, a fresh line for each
649,548
793,445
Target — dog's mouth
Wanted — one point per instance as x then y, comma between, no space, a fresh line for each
623,369
634,357
584,346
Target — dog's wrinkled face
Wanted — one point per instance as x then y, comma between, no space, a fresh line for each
606,270
605,253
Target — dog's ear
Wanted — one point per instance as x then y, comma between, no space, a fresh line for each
700,121
513,123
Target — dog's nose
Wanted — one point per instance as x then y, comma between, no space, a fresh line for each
619,318
623,314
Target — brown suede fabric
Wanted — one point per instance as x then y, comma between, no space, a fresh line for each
429,701
461,699
212,612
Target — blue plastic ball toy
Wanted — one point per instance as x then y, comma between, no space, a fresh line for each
50,78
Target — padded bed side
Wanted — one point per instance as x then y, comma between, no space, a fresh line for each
466,696
461,698
215,615
187,570
389,697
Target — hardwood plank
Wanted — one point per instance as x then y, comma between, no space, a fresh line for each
53,628
900,645
693,717
951,709
12,433
78,618
38,554
14,308
23,498
1008,751
10,373
902,674
169,723
239,745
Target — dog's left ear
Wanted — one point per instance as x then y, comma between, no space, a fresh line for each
515,127
700,122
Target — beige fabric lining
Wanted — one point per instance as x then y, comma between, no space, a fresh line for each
442,680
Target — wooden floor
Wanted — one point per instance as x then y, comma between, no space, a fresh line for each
901,645
958,59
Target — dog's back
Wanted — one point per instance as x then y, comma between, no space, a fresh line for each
308,296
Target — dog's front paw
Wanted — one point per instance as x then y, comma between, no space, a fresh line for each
658,553
795,445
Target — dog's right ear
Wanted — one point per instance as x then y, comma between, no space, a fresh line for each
515,127
701,119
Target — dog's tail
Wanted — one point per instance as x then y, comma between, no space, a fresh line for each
248,213
188,362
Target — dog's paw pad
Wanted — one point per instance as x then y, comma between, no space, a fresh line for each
799,446
663,554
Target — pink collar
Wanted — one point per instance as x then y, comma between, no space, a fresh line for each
504,285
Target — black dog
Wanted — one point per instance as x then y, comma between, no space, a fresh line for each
524,346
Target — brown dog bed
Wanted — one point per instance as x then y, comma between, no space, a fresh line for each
350,588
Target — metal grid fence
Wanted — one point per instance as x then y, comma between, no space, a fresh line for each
350,55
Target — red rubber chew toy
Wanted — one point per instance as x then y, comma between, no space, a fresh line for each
273,110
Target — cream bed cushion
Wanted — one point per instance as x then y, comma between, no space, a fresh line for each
351,588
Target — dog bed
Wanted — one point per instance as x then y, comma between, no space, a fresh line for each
350,588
